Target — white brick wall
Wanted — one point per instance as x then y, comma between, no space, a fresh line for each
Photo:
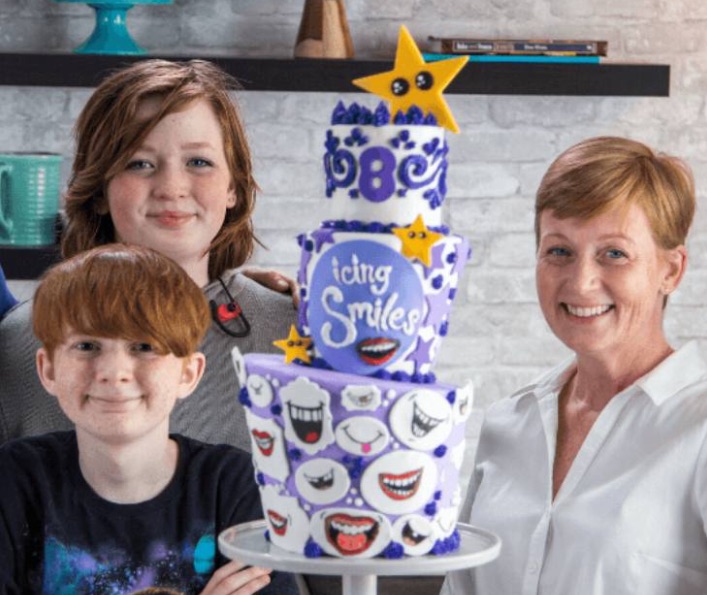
498,337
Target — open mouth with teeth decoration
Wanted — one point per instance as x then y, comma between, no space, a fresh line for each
277,522
324,482
412,537
377,351
588,312
264,441
350,535
422,424
401,486
307,422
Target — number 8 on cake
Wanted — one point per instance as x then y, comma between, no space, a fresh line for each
357,447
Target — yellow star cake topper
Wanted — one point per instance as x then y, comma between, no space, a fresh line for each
295,346
417,240
415,82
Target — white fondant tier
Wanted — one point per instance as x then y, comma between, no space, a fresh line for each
386,174
371,310
352,466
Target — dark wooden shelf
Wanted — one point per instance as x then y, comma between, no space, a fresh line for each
285,74
27,263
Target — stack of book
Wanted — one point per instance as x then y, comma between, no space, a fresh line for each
576,51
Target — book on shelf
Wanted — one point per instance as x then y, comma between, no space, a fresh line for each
540,47
539,59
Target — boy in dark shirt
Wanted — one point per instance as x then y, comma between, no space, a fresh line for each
119,504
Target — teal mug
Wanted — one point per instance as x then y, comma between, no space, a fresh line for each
29,198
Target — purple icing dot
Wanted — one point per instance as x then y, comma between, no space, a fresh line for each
244,398
444,327
267,535
260,478
416,377
438,495
452,257
452,397
399,376
276,409
312,550
295,454
438,281
393,551
431,509
452,293
440,451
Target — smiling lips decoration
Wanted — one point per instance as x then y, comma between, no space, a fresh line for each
264,441
351,535
402,486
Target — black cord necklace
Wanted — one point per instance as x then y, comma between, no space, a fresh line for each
229,313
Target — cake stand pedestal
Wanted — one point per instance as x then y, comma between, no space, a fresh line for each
111,35
247,543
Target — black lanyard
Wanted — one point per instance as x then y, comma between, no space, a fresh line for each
229,313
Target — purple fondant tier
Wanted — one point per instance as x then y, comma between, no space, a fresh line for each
386,173
352,466
372,311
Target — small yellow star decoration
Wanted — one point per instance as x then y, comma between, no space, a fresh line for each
417,240
415,82
295,346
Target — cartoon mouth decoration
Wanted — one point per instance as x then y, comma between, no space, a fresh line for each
364,444
377,351
412,537
351,535
323,482
400,487
264,441
277,522
307,422
422,424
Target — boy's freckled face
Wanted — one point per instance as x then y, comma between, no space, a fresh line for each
116,389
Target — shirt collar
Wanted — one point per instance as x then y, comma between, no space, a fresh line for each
679,370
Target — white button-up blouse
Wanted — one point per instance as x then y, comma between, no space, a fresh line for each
629,518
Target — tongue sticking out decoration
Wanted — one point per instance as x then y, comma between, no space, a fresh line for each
414,82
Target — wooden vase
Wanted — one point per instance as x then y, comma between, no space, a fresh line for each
324,31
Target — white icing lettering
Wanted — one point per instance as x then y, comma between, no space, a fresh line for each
377,277
379,315
336,296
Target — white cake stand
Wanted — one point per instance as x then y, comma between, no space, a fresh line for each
247,543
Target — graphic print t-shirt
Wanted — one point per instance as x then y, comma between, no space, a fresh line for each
58,536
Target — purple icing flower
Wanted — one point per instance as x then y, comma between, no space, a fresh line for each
393,551
244,398
312,550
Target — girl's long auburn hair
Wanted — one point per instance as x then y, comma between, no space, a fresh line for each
108,133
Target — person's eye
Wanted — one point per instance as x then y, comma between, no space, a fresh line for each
199,162
141,347
86,346
557,251
615,254
138,164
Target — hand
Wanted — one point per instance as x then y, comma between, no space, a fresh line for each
235,579
273,280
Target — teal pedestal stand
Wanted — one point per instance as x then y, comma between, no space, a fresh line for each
111,35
